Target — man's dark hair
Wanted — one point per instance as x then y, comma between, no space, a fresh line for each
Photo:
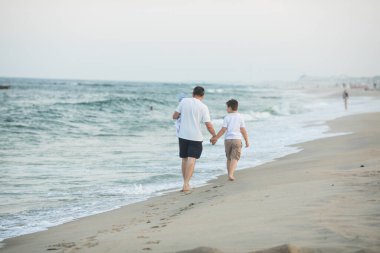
199,91
233,104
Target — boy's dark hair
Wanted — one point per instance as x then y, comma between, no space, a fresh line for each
199,91
233,104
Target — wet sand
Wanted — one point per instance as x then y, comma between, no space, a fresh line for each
325,198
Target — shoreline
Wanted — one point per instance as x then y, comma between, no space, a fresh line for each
244,216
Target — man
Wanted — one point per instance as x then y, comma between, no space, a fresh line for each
192,112
345,98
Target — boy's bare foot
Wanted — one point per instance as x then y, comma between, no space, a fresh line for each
186,188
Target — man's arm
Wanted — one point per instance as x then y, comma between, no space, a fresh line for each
210,128
176,115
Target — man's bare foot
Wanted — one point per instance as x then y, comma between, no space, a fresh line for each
231,178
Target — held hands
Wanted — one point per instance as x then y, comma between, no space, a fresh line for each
213,140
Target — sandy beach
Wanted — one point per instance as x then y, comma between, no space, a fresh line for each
325,198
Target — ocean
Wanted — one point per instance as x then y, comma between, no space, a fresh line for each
73,148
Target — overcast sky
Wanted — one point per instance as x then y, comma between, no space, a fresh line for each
189,40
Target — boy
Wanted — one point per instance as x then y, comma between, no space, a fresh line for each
234,125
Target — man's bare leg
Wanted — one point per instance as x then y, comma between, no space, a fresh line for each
184,163
188,172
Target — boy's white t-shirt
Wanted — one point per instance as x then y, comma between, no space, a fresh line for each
193,113
233,122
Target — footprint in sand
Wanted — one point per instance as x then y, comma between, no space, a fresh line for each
153,242
118,228
59,246
91,242
187,207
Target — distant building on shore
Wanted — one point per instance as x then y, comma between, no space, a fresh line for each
337,81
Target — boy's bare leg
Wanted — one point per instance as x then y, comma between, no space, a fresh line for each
231,167
188,171
228,166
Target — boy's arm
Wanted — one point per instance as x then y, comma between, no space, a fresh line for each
215,138
245,136
176,115
220,133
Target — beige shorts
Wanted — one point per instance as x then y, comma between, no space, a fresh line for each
233,149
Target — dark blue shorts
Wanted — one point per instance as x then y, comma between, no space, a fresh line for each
189,148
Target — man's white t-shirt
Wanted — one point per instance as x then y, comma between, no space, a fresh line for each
193,113
233,122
